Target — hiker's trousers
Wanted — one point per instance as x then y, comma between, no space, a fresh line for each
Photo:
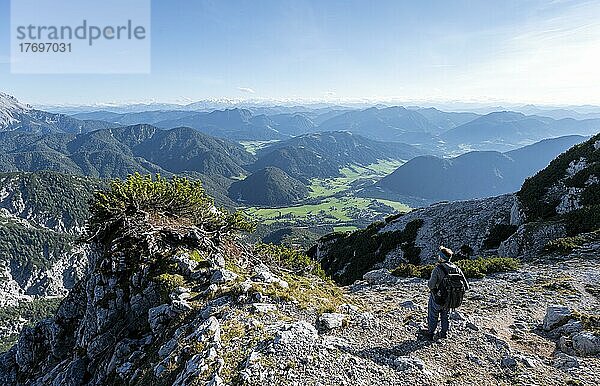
434,312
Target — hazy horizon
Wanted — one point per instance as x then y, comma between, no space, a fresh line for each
513,52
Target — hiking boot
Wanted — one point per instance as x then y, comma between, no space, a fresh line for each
443,335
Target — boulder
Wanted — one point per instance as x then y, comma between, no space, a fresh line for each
586,343
565,345
556,316
294,334
263,308
329,321
565,362
569,328
222,275
406,363
380,277
508,361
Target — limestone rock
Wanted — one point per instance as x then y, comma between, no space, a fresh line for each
159,316
585,343
406,363
185,264
348,308
570,201
296,333
556,316
380,277
263,308
576,166
530,239
475,359
565,362
264,275
329,321
508,361
222,275
473,219
569,328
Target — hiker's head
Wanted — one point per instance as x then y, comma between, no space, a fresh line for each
445,254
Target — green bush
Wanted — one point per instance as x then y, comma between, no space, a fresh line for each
476,268
583,220
480,267
168,282
177,198
412,270
564,244
290,259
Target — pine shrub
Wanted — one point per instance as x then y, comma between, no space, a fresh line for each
178,199
290,259
476,268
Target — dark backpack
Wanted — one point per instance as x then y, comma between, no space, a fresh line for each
452,288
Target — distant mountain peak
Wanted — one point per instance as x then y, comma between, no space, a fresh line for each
10,109
505,114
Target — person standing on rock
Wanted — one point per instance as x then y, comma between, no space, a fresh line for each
447,287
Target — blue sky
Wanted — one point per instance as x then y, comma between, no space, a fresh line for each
514,51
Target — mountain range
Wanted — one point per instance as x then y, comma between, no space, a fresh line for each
430,129
15,116
100,144
121,151
322,155
475,174
506,130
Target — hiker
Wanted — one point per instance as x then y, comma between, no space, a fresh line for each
447,287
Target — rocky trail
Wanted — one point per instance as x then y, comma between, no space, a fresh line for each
496,338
